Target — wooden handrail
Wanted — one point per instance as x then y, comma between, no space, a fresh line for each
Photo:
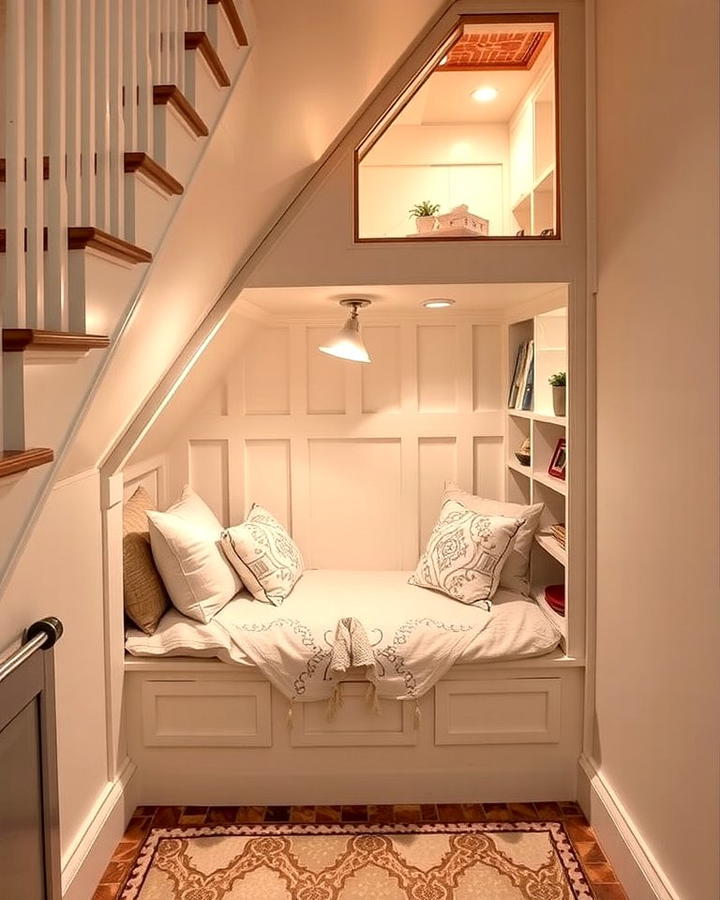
17,340
14,461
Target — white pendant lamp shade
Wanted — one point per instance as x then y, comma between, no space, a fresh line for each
347,343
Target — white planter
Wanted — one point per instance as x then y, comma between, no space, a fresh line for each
558,395
425,224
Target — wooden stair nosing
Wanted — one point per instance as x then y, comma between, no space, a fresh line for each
138,161
198,40
233,18
135,161
13,462
17,340
164,94
88,237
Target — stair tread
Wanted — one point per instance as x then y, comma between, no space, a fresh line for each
14,461
139,161
17,340
84,237
199,40
164,94
233,18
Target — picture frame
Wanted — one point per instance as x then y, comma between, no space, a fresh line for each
559,460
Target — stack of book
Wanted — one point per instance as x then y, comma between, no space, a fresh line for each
520,395
558,532
555,598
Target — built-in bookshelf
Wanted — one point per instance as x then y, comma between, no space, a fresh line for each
533,160
543,338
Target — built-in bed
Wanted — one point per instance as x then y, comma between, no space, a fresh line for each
205,725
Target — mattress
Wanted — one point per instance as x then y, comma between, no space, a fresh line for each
517,627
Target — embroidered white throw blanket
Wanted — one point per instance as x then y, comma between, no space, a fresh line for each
402,649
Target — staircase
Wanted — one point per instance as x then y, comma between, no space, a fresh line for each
106,108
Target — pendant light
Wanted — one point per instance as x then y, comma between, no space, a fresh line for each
347,343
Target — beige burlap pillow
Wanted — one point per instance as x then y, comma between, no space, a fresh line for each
145,596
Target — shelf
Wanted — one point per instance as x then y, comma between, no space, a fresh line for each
544,182
551,546
516,467
520,413
555,484
561,421
560,622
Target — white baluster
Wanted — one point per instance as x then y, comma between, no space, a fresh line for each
145,44
14,300
180,29
129,26
34,150
57,88
117,130
166,42
102,115
73,126
155,9
87,111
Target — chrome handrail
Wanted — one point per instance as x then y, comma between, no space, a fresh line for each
44,633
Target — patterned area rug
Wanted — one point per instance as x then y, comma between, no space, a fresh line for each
493,861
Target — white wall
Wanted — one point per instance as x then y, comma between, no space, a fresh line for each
352,458
657,727
60,574
445,164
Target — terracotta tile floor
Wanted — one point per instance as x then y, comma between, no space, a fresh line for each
597,869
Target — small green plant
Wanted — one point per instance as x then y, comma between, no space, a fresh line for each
559,379
426,208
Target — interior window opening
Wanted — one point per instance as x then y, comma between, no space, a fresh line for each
472,154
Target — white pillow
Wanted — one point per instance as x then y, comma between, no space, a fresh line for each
515,572
185,541
264,556
465,554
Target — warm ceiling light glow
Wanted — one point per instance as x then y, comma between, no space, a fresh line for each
437,303
347,343
484,94
443,61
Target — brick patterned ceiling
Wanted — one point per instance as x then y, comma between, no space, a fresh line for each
496,50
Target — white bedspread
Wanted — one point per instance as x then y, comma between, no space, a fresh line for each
516,628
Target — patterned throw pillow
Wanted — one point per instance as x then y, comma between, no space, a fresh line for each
465,554
144,593
264,556
516,571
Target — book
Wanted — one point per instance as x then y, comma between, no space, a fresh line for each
517,375
513,379
527,363
527,399
558,532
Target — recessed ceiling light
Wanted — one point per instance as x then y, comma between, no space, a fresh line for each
437,303
484,94
443,61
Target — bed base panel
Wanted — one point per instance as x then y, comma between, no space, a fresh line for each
204,734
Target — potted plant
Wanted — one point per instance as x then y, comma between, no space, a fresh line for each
559,387
424,215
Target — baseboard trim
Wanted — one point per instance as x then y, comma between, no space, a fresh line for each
639,871
85,860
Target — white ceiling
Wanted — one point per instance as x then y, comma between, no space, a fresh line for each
445,98
389,299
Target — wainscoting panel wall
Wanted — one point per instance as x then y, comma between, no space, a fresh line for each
351,458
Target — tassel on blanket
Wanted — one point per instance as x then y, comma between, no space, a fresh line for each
371,695
417,716
335,702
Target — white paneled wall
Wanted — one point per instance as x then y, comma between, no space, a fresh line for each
351,458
